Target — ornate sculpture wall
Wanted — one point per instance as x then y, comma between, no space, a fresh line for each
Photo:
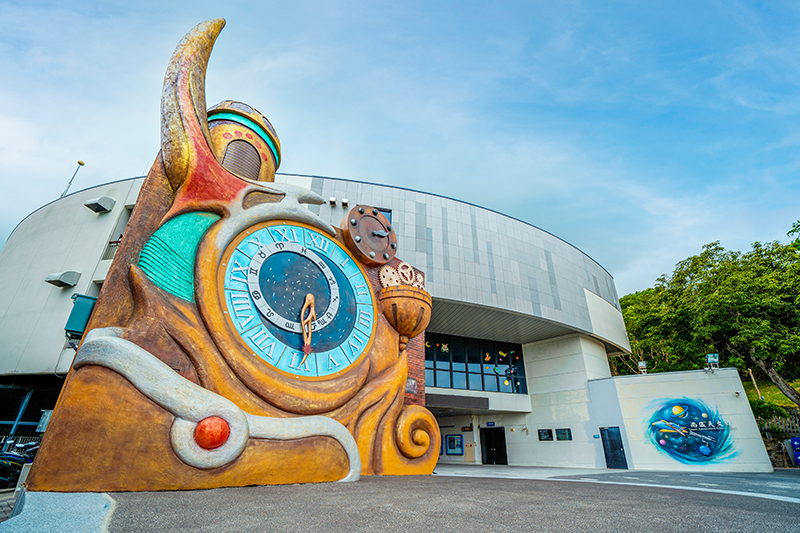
239,339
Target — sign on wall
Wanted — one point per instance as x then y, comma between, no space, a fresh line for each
689,431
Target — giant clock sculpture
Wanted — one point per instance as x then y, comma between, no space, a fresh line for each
238,339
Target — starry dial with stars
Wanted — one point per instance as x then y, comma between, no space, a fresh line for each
269,270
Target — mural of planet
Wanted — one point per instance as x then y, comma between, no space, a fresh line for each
689,431
680,410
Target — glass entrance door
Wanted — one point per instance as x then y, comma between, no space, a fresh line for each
493,446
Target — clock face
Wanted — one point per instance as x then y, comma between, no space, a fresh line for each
268,272
369,235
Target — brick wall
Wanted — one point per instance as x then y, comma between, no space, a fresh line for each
416,346
416,369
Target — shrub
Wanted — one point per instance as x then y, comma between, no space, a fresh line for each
766,410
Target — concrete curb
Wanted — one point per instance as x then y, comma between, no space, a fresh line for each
82,512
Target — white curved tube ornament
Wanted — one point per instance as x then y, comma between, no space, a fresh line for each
262,427
191,403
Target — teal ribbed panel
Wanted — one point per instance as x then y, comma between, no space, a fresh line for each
168,257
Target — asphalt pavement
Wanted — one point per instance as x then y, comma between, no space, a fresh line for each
781,485
457,498
451,504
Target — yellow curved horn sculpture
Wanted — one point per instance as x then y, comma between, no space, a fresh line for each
184,121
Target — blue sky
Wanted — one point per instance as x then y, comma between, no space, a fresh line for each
636,131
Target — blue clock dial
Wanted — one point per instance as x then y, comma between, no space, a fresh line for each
267,278
280,276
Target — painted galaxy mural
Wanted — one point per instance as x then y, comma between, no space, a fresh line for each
689,431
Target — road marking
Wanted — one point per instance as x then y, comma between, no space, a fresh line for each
709,484
696,489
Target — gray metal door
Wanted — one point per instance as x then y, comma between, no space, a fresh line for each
612,448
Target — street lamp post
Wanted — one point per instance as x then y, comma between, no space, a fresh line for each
80,164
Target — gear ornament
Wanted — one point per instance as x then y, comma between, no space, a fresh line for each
404,274
388,276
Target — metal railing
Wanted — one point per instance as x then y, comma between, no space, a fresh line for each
111,250
16,439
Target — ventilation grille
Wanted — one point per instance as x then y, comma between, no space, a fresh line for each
242,159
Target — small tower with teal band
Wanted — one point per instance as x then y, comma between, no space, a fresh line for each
244,141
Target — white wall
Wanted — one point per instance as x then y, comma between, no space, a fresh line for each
634,397
63,235
562,397
453,426
607,321
557,371
604,411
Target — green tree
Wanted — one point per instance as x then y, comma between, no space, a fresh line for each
745,306
648,318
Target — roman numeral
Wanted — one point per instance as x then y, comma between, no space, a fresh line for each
255,241
353,346
296,358
240,270
364,318
287,234
243,322
318,242
263,341
240,302
332,363
361,290
242,309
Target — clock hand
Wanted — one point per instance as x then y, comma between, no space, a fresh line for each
380,233
306,325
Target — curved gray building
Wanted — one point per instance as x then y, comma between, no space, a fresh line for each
491,276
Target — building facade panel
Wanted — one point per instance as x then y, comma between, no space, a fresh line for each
477,256
61,236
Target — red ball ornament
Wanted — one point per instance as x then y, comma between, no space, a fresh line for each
211,432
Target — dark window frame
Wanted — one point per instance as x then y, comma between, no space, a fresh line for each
505,364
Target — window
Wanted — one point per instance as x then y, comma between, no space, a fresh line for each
475,382
474,364
545,434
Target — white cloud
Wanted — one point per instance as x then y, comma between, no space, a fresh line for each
635,134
